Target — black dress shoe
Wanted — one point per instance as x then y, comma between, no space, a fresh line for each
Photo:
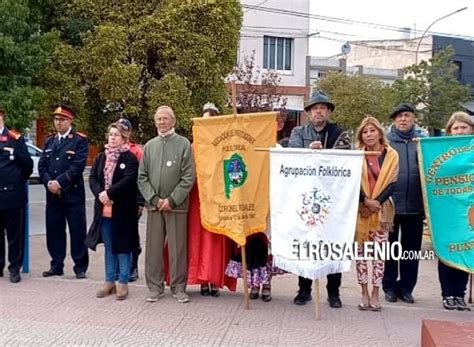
335,301
53,272
254,293
133,275
407,298
15,277
266,294
80,275
302,298
205,290
391,296
215,292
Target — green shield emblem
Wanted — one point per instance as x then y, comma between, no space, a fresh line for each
235,173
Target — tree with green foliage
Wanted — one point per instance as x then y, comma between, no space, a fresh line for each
25,51
136,55
356,96
256,90
432,86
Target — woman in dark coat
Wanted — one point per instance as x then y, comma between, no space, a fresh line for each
113,180
453,280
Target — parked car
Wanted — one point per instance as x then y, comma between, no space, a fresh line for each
35,154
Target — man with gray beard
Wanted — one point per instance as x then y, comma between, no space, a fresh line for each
319,133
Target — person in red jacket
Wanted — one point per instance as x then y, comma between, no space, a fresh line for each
210,252
137,150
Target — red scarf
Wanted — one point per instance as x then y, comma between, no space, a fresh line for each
112,154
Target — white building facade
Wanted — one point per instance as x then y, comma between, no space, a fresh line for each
278,34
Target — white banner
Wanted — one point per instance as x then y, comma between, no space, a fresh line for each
314,199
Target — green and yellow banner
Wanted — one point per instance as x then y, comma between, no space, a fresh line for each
447,173
232,177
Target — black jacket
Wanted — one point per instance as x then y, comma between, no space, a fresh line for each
65,162
16,166
123,193
407,194
331,136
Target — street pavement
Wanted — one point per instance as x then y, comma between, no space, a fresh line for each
64,311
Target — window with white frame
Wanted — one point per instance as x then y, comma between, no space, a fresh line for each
277,53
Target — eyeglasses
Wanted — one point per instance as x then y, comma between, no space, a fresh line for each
60,119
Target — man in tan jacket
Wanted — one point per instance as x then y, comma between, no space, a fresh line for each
165,178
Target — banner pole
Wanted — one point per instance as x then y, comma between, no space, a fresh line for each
263,149
244,278
317,305
234,99
470,289
26,233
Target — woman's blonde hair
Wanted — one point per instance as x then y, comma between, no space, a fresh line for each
124,132
459,117
369,120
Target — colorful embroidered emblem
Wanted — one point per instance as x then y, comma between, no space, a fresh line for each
235,173
315,208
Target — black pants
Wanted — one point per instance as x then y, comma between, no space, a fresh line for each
137,251
453,281
334,282
56,217
134,263
12,225
410,228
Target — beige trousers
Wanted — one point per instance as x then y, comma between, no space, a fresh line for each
173,227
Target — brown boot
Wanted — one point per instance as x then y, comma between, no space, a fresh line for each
107,289
122,291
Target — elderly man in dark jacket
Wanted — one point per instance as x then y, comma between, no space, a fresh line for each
319,134
409,214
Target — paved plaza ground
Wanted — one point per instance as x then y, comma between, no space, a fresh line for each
64,311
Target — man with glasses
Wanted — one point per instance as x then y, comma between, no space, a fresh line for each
61,168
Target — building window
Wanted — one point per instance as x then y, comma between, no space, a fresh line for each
458,72
277,53
322,74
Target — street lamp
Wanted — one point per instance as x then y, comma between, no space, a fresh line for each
436,21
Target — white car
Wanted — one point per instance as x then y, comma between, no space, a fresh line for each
35,154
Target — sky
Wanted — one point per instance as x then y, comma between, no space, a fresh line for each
411,14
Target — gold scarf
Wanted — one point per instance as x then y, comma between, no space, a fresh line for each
384,219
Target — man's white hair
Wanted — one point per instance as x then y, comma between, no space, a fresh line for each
166,109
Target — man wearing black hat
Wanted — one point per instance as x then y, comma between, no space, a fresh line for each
15,168
409,212
319,134
61,168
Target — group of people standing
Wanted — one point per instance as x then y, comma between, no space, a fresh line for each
390,204
124,178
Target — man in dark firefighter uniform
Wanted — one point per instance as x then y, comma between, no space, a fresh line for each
16,166
61,170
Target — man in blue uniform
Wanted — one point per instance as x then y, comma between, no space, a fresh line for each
61,167
15,168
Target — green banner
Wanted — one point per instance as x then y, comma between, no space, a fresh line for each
447,174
